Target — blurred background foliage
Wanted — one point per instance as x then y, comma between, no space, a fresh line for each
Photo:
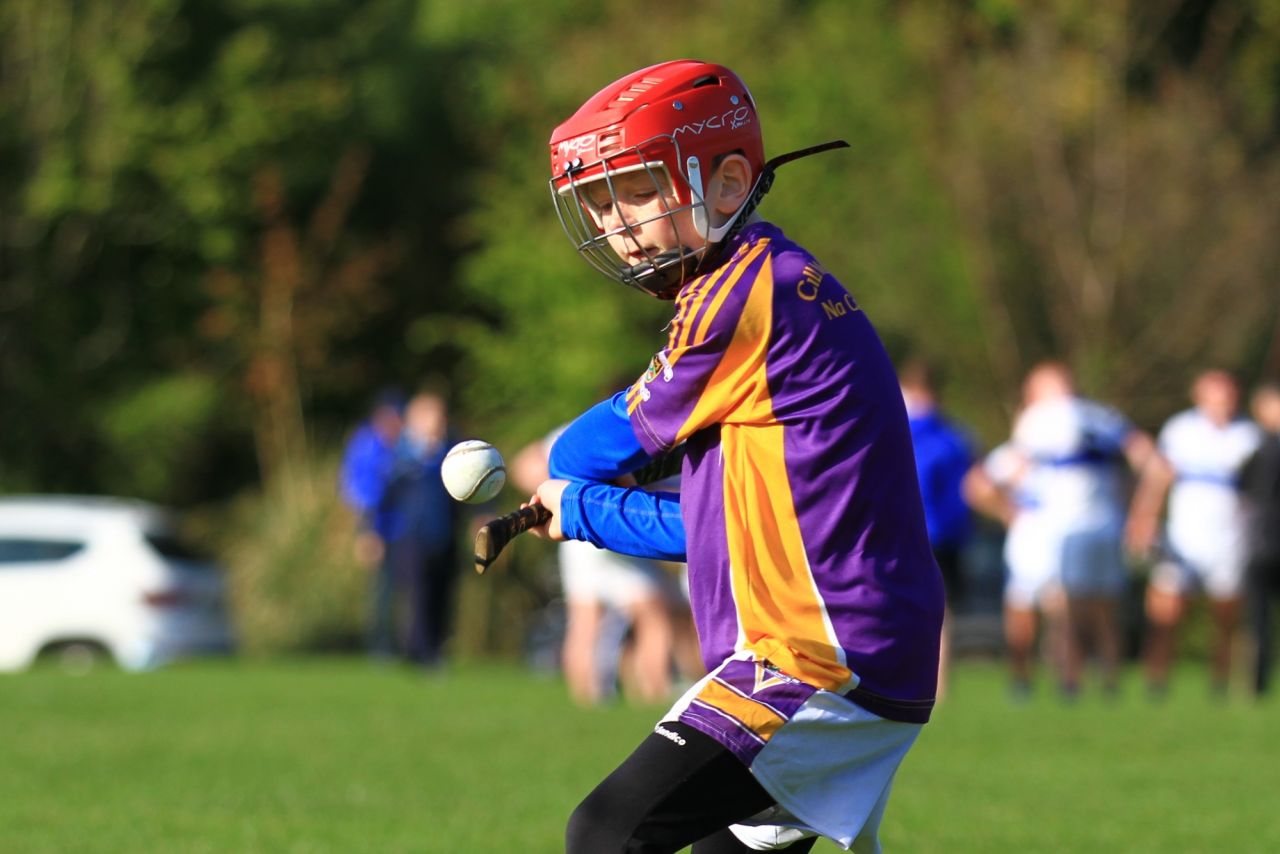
224,224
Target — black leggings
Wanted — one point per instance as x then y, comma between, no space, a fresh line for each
669,793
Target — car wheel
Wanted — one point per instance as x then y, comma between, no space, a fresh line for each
77,658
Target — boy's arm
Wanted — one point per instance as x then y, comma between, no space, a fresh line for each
983,494
598,445
1154,478
621,519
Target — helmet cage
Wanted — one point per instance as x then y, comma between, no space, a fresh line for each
659,274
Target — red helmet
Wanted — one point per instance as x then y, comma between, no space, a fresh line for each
672,122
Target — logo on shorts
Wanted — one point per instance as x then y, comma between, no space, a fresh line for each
767,676
669,735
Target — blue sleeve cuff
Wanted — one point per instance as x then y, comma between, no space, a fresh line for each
598,445
626,520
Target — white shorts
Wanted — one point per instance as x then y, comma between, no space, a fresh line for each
1215,567
1045,555
1031,561
1093,561
830,767
590,574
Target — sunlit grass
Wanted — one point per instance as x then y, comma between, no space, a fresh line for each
338,755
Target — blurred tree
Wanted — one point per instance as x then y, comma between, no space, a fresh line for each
1116,175
161,160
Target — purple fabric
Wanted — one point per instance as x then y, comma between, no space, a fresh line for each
849,462
776,691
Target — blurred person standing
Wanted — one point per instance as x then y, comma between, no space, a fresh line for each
368,464
424,550
1260,483
608,595
1057,485
943,455
1206,529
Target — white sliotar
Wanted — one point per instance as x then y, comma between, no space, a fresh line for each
473,471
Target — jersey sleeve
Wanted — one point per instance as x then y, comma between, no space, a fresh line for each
597,445
360,480
1107,429
625,520
1004,465
712,368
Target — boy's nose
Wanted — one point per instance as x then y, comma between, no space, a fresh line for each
613,218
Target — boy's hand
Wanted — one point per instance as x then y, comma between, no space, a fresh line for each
548,495
1140,534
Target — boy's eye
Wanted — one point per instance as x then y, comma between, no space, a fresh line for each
598,199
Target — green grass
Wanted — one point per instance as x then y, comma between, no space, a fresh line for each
337,755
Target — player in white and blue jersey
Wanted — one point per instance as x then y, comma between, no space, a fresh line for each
1057,483
1206,528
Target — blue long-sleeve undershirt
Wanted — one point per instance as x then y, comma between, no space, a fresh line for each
600,446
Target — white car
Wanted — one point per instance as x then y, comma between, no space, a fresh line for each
84,577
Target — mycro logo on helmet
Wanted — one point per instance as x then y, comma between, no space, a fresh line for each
577,146
731,119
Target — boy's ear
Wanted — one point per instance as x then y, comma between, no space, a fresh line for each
734,178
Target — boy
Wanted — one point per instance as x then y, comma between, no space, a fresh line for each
817,600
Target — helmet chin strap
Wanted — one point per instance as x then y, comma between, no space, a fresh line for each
701,217
664,275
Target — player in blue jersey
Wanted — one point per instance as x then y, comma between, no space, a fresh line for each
816,596
944,453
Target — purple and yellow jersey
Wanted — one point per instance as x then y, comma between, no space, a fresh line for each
807,546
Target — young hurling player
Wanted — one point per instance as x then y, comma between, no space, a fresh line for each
815,593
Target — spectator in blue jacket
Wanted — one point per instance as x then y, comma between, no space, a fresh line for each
424,549
368,464
943,456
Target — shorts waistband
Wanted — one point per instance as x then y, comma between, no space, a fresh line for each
890,708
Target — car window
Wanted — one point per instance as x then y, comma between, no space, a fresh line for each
174,548
30,550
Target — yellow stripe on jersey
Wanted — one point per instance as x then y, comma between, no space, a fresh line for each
737,386
688,311
781,616
738,267
633,397
727,287
694,298
757,717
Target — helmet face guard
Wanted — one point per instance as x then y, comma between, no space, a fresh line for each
668,126
665,125
618,251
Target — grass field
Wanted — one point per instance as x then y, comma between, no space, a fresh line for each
337,755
